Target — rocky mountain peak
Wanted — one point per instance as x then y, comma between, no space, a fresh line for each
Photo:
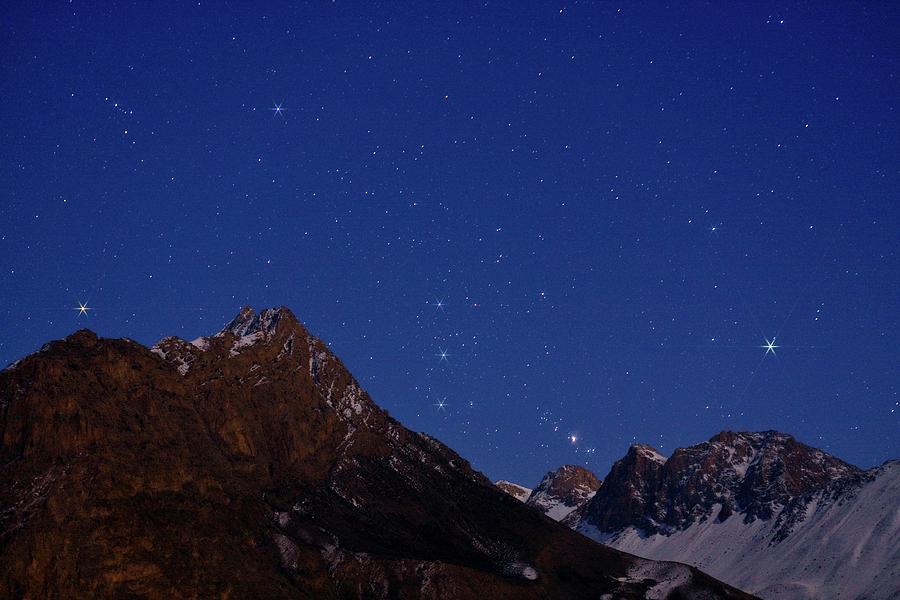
265,323
646,452
271,330
83,337
751,473
562,491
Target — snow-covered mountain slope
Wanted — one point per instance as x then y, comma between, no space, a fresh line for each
563,491
515,490
751,473
760,511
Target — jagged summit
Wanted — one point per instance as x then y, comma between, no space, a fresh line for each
768,436
647,451
564,490
751,473
246,330
248,322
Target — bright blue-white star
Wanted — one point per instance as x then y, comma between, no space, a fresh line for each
442,354
770,346
278,110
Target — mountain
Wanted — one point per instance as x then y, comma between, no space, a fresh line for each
562,491
250,464
761,511
513,489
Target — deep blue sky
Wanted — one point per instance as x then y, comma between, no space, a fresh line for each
617,204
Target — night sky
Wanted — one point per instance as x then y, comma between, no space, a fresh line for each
537,233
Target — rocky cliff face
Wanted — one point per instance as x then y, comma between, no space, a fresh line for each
748,473
564,490
759,510
251,464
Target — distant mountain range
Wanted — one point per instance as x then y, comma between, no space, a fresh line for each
760,511
251,464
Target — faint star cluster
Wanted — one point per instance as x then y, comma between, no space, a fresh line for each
539,235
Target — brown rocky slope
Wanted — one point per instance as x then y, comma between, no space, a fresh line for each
250,464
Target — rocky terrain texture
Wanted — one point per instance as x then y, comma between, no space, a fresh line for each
513,489
749,473
250,464
759,510
564,490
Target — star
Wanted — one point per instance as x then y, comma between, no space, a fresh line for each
278,110
82,309
438,304
440,404
443,354
573,439
770,346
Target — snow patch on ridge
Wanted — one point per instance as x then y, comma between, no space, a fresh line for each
250,328
667,577
245,341
172,350
521,569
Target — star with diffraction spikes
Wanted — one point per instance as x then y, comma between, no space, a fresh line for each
440,404
278,110
442,355
82,309
770,346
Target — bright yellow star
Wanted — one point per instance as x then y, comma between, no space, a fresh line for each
770,346
82,309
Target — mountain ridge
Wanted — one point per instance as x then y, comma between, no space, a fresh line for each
745,472
252,463
760,510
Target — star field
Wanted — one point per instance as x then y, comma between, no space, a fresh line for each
538,233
